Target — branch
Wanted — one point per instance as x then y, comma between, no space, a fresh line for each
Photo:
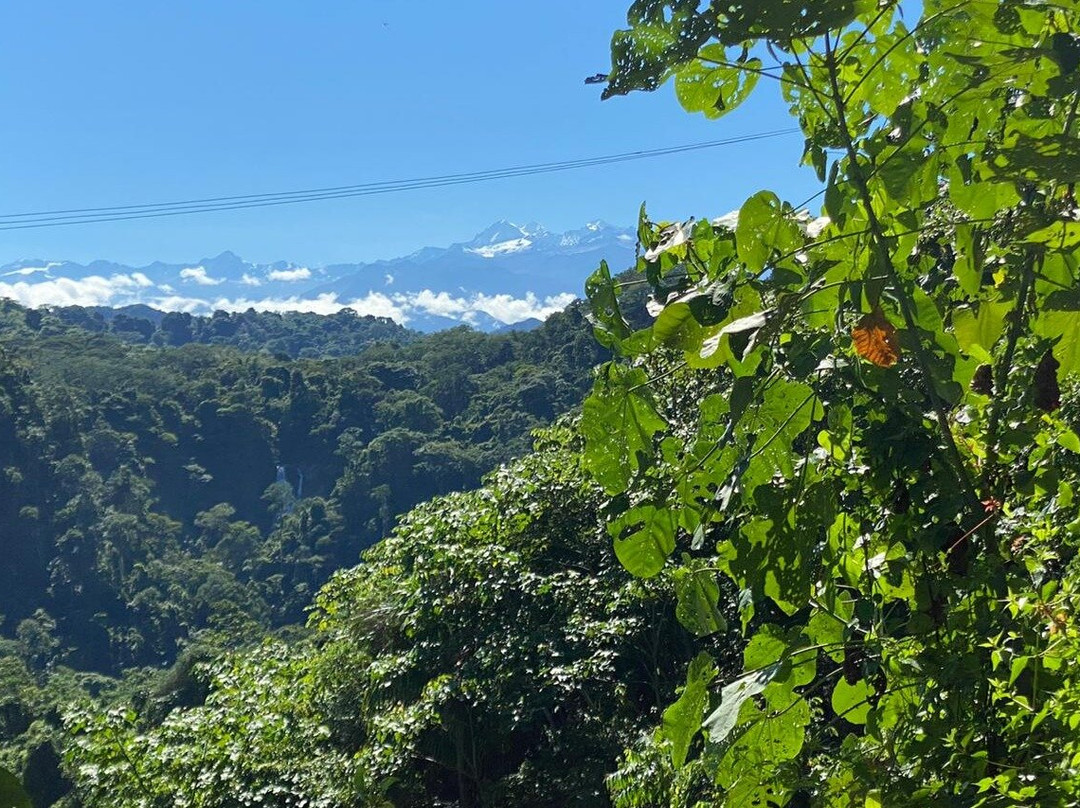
881,251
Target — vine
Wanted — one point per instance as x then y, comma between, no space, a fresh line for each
898,520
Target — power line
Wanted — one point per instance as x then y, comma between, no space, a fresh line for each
118,213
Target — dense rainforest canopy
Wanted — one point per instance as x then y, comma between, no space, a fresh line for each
149,492
155,499
812,539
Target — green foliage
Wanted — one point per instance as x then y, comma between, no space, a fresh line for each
501,641
856,435
866,421
255,741
293,334
140,486
489,652
142,512
12,794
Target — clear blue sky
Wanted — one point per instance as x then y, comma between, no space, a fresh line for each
132,101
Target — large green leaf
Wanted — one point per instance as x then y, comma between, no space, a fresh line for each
606,316
711,86
724,718
978,330
682,720
662,36
644,538
1063,236
765,228
786,411
852,701
981,200
1050,157
677,327
698,601
968,266
749,767
618,422
1063,326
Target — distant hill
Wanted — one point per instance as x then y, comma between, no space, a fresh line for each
291,334
504,275
137,310
524,325
149,493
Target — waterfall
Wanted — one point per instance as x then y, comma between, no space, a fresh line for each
294,494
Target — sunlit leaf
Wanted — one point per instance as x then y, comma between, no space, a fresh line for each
851,701
618,422
723,719
682,720
644,538
697,607
875,339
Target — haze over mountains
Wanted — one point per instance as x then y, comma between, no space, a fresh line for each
507,274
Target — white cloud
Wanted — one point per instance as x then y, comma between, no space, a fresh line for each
199,276
440,304
93,290
507,309
389,279
289,275
250,280
120,290
375,304
323,304
379,305
192,305
504,308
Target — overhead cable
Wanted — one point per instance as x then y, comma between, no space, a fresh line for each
118,213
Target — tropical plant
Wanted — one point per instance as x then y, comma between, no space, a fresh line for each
489,652
864,420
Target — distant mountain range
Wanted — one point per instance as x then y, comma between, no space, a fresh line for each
506,276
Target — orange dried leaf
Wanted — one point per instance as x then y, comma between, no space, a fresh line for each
875,339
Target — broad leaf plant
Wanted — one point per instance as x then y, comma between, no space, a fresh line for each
854,414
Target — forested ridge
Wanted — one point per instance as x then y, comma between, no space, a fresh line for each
293,334
157,498
811,540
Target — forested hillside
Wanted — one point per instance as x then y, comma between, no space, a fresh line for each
293,334
153,497
151,492
811,540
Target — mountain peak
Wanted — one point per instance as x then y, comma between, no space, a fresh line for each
227,261
508,273
227,255
497,233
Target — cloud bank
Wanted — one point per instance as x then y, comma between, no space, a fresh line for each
289,275
93,290
135,287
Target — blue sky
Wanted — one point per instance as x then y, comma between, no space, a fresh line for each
134,101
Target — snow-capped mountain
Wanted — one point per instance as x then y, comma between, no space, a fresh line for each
506,274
